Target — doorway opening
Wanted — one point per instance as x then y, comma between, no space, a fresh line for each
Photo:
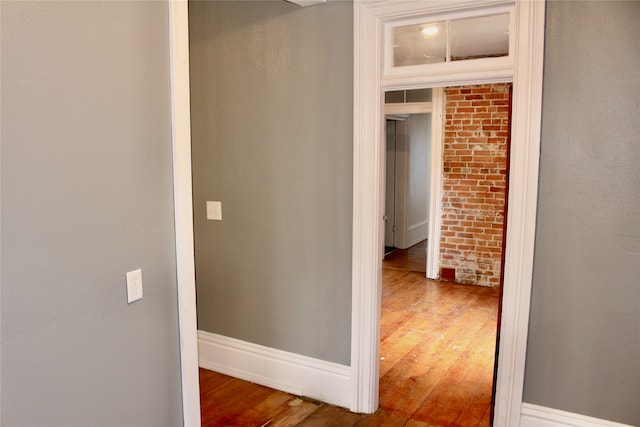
413,179
408,140
524,67
438,338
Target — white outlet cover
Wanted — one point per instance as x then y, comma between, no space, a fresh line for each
134,285
214,211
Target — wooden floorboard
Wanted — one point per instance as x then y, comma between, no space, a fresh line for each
436,362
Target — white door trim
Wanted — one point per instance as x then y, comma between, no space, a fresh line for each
436,108
183,209
435,180
407,108
368,205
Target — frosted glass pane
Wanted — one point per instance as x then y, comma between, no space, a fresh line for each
419,95
411,95
480,37
394,97
420,44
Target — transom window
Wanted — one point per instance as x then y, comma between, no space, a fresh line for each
441,41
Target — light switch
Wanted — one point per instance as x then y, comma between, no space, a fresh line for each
214,211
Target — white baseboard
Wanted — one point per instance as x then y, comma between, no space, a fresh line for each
300,375
417,233
331,382
540,416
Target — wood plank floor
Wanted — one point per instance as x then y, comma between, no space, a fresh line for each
412,259
436,367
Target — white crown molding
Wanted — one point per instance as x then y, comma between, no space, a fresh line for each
293,373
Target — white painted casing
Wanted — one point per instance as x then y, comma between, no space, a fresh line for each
526,72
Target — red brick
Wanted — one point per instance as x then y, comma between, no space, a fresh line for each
474,159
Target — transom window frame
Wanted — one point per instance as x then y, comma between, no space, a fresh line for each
495,68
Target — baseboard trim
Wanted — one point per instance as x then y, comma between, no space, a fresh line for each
540,416
417,233
419,225
293,373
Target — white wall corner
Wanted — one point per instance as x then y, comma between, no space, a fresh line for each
289,372
540,416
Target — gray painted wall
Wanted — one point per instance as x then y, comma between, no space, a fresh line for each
272,112
419,171
584,340
87,196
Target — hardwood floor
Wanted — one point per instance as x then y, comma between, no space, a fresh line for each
412,259
436,363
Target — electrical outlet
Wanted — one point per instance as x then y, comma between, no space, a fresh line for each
134,285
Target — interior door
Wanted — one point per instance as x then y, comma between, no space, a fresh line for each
390,192
397,183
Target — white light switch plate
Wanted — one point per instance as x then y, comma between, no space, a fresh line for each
214,211
134,285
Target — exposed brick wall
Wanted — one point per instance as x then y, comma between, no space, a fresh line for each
475,148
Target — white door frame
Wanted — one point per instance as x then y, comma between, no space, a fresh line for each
436,108
368,180
435,181
183,209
